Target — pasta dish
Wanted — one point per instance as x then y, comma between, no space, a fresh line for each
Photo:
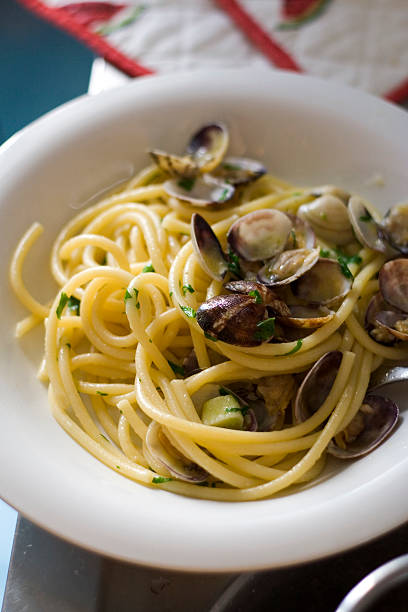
215,327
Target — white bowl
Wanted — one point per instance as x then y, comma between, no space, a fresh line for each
307,131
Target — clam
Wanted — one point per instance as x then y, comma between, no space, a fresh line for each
331,190
376,330
394,323
372,424
324,284
261,293
167,460
175,165
234,319
190,364
207,248
201,191
365,226
308,317
329,218
208,146
394,228
239,170
302,235
259,235
393,280
288,266
316,385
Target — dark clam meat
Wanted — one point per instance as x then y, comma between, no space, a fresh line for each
233,319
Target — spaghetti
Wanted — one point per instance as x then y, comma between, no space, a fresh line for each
123,323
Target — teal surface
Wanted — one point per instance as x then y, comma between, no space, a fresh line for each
40,68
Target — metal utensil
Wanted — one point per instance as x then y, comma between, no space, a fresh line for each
388,373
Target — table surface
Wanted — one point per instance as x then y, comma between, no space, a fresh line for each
43,68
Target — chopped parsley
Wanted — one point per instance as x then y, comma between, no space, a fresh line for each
104,437
323,216
224,391
188,288
232,167
170,294
186,183
73,304
62,303
344,261
366,217
138,305
101,393
148,268
177,369
223,195
255,294
118,466
68,345
265,329
104,260
128,296
325,253
297,193
234,265
295,349
293,236
210,337
188,311
243,410
160,479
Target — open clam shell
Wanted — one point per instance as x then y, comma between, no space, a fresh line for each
207,248
331,190
393,280
259,235
161,454
302,235
239,170
232,319
288,266
365,226
175,165
208,146
394,228
308,317
379,332
329,218
316,385
393,322
375,420
324,284
201,191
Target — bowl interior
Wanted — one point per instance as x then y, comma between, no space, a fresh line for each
307,132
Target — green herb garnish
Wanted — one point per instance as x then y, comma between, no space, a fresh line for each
265,330
224,391
186,183
325,253
160,479
74,304
231,167
104,437
344,261
255,294
188,311
366,217
68,345
62,303
127,295
170,294
101,393
118,466
223,195
188,288
148,268
104,260
177,369
293,235
295,349
209,337
234,265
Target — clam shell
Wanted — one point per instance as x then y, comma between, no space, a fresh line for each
259,235
288,266
162,454
389,320
175,165
376,419
201,191
232,319
316,385
308,317
329,218
302,235
393,280
394,228
268,297
239,170
207,248
331,190
208,146
365,226
324,284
